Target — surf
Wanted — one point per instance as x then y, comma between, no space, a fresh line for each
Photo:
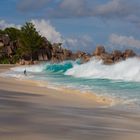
127,70
48,67
119,80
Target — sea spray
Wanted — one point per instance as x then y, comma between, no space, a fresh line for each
30,68
128,70
48,67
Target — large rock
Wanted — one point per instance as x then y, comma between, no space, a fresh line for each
80,54
43,55
108,62
8,50
57,48
99,50
85,58
46,50
107,58
100,54
5,39
128,53
1,44
57,53
8,47
117,55
67,54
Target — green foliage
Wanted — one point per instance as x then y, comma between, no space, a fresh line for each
30,39
4,60
15,58
27,39
13,33
1,32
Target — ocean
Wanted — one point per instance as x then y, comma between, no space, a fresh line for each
120,81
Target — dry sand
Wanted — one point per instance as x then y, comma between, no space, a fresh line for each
30,112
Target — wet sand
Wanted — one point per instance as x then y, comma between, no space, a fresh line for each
36,113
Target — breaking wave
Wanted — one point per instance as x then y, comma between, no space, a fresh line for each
128,70
49,67
119,80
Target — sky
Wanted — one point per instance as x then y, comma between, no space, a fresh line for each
79,24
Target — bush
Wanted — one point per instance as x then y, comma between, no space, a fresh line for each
4,60
13,33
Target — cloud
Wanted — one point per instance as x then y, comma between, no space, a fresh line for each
47,30
82,43
55,8
126,41
119,9
110,9
31,5
70,8
4,24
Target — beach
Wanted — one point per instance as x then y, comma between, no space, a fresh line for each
28,111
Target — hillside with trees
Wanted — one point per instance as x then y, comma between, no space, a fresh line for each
25,45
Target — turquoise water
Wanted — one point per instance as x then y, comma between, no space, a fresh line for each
121,80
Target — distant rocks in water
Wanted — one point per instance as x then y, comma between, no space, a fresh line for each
56,53
83,56
117,55
99,51
128,53
114,57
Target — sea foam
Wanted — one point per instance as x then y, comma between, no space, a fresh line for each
29,68
128,70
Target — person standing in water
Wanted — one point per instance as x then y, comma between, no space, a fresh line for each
25,72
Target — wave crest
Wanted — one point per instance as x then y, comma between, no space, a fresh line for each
128,70
49,67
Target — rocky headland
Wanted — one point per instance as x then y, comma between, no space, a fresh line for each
13,51
56,53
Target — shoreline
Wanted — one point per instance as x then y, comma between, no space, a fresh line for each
61,92
89,97
32,112
71,96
